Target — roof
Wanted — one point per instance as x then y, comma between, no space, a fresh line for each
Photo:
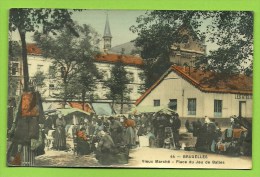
207,81
114,58
107,32
129,48
32,49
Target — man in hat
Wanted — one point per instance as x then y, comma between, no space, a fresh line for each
176,127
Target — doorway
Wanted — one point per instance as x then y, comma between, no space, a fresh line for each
242,108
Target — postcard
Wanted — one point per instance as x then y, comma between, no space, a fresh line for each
130,88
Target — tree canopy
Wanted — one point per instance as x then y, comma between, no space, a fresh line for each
73,58
117,85
30,20
231,31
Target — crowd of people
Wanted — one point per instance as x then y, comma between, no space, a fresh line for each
114,134
110,138
235,139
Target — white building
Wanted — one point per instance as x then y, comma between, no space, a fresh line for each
104,62
195,93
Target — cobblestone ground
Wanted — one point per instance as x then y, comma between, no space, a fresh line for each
145,157
65,159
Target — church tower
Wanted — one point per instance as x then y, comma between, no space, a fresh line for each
107,36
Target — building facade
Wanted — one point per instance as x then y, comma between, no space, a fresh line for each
104,62
195,93
187,48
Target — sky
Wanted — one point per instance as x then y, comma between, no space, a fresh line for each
120,21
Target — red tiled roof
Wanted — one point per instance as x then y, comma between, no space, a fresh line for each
126,59
32,49
208,81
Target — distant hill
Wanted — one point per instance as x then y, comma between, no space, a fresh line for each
129,48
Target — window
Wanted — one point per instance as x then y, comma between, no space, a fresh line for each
192,106
15,69
52,71
130,76
39,68
156,102
173,104
51,86
217,108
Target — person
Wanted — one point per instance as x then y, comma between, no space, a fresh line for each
60,135
25,130
161,124
129,136
187,126
176,127
212,135
202,140
48,124
116,130
83,146
105,149
99,126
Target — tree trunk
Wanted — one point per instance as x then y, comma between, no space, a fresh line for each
24,58
122,104
65,92
113,102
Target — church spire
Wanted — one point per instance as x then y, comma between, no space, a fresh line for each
107,36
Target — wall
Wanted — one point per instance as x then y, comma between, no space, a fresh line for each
174,87
34,61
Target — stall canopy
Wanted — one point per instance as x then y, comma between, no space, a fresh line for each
49,107
73,115
102,109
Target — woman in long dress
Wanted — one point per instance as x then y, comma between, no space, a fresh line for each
60,135
130,138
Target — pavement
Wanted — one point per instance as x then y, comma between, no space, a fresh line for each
146,157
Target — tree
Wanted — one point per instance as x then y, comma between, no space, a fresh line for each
73,58
13,79
88,78
30,20
38,80
117,85
232,31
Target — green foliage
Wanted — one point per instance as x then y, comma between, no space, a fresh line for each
73,58
30,20
117,84
14,50
38,79
14,55
232,31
